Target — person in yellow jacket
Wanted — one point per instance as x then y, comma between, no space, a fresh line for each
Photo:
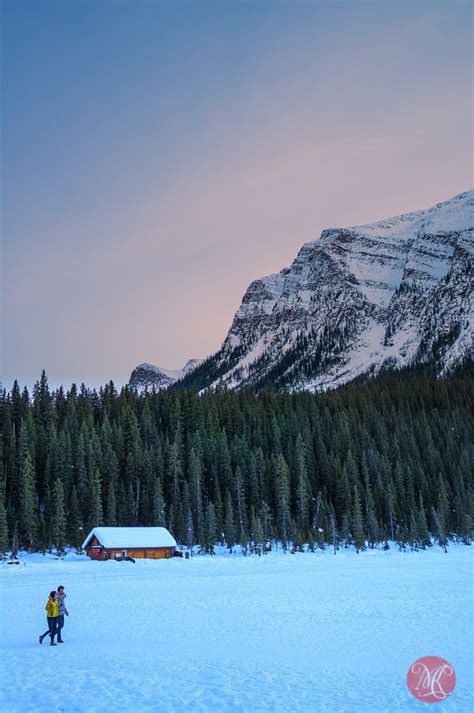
52,615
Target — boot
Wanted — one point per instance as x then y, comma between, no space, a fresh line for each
60,641
41,639
52,643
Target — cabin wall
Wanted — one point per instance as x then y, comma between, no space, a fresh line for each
137,553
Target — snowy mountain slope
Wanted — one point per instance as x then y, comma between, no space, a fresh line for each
148,376
391,293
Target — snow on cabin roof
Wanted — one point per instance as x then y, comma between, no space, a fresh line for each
131,537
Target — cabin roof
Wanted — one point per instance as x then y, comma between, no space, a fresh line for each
131,537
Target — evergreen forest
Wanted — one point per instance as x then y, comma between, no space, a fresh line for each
371,464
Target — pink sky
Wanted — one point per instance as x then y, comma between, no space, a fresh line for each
130,248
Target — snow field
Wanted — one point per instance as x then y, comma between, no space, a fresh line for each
305,632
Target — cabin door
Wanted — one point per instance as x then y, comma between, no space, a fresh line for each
124,553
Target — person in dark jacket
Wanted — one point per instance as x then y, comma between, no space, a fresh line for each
61,596
52,616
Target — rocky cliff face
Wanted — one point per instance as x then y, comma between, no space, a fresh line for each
149,377
359,299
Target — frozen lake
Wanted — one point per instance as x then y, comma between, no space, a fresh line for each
305,632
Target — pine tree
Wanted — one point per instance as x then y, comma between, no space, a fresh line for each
240,503
81,471
96,517
316,530
442,539
390,499
229,527
42,402
422,527
209,531
282,495
125,503
413,535
28,520
253,490
257,535
334,535
3,524
59,517
265,517
342,498
345,530
195,487
219,511
302,487
174,475
297,538
372,528
180,531
158,518
223,465
111,506
74,529
188,518
357,522
442,505
15,540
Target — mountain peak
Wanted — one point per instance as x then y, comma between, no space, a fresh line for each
394,292
148,376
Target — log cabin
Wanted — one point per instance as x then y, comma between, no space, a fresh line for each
105,543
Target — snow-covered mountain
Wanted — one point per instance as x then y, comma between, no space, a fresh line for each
393,293
148,376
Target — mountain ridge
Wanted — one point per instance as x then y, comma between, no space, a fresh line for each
147,376
391,293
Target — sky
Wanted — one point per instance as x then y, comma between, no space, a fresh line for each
159,156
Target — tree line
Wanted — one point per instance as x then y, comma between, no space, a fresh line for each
385,461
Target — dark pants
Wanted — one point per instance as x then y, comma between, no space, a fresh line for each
52,627
60,625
